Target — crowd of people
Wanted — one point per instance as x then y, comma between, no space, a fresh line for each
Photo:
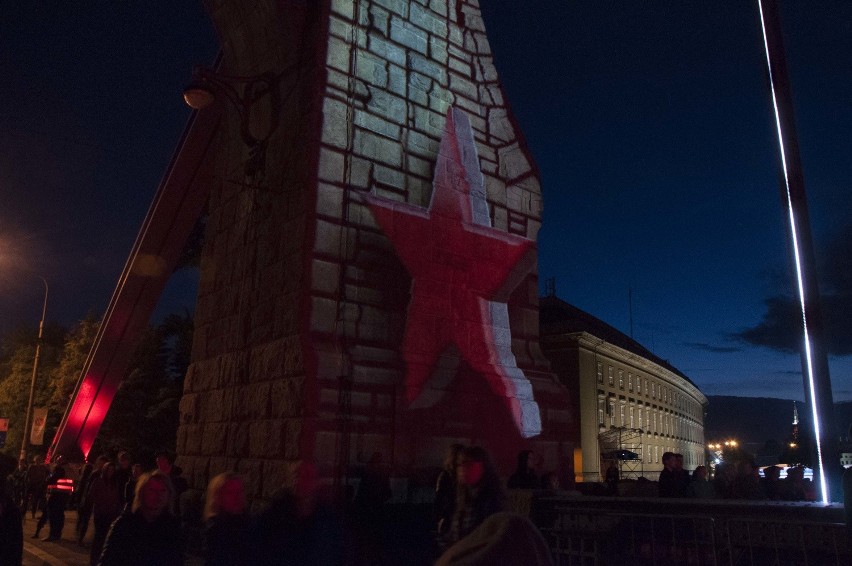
103,491
136,515
739,480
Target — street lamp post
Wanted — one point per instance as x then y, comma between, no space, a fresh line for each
24,440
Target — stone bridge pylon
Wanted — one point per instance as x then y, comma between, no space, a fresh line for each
368,277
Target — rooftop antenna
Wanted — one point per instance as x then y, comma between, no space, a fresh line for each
550,287
795,427
630,306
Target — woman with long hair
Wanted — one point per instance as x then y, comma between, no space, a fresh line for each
480,492
226,523
150,534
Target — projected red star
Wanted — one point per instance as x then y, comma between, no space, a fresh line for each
462,272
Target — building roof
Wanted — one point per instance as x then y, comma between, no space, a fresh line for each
558,317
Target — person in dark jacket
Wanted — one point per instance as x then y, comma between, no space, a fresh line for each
37,474
166,464
611,478
150,534
124,468
301,527
770,482
699,487
673,481
18,480
82,482
11,529
105,499
747,484
84,507
524,476
57,500
480,492
445,489
226,523
130,486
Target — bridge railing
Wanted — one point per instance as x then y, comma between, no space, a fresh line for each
591,531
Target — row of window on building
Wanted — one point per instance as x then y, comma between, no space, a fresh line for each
654,422
652,389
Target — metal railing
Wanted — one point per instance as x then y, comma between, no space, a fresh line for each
771,542
583,538
584,534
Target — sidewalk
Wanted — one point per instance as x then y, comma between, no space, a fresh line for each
65,552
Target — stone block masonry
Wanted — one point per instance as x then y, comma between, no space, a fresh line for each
303,302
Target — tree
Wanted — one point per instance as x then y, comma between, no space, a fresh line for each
143,417
17,354
66,374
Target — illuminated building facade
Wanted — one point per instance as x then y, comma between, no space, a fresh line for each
628,399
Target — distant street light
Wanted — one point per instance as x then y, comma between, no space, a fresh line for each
25,439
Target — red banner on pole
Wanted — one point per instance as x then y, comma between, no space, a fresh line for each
39,421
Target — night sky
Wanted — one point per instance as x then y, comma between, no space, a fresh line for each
650,122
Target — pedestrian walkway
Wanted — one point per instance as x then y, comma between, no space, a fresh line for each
64,552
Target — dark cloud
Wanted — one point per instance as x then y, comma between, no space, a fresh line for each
713,348
781,328
754,387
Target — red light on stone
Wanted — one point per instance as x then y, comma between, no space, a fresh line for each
87,413
462,272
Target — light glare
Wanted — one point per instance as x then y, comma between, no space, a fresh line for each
793,228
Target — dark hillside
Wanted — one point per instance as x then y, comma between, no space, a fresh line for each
752,420
756,420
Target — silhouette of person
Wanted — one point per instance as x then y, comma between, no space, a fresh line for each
671,482
226,523
300,528
445,488
611,478
165,463
524,476
373,489
11,529
57,499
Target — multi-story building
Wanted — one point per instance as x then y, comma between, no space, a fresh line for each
633,405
